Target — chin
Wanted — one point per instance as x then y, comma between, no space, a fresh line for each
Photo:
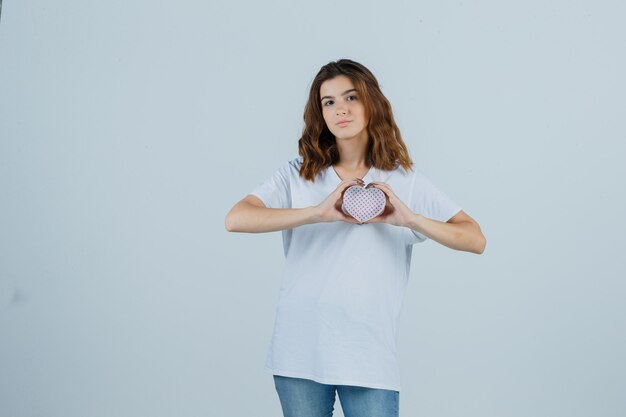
343,136
346,135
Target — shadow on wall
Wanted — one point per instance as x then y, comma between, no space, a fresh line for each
10,295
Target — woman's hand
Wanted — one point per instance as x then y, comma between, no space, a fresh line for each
396,212
329,210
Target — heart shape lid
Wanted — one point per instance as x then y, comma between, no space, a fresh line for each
363,203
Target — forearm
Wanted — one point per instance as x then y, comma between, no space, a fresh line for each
464,236
253,219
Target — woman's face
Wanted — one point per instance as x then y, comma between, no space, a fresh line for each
341,102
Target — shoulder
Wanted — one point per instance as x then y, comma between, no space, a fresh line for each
408,173
291,168
399,173
417,180
421,180
415,174
295,163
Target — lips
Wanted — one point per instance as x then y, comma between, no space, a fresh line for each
343,123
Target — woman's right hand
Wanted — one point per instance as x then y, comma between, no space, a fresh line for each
329,210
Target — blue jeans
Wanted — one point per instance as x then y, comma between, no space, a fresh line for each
306,398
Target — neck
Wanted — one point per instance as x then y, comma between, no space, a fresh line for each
352,153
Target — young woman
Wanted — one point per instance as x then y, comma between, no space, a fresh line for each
344,280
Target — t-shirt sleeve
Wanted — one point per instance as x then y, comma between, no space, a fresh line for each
275,191
431,202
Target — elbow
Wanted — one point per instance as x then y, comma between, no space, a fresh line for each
481,246
229,223
237,219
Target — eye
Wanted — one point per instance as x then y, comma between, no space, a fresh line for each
329,101
352,96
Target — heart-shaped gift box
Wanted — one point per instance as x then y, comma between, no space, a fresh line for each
363,203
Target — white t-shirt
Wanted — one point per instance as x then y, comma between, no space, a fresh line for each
343,283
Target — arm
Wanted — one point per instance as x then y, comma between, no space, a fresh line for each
461,232
251,215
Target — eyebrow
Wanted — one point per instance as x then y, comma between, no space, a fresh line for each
343,94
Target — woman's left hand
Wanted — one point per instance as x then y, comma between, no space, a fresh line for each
396,212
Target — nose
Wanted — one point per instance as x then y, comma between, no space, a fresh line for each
341,110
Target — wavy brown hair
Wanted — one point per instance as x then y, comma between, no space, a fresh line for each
385,148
